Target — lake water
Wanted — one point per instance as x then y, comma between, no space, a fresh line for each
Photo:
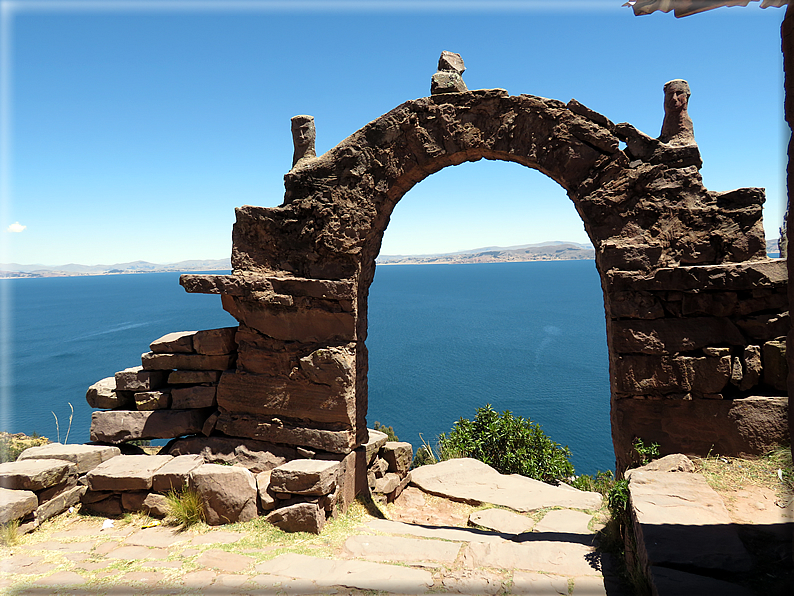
443,341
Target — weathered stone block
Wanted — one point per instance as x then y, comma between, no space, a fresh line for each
276,396
85,457
635,305
118,426
155,505
197,396
102,394
265,428
126,473
751,425
775,365
174,474
137,379
193,377
715,304
51,492
35,474
228,493
330,366
399,455
387,484
296,324
109,505
153,361
668,336
266,500
16,504
215,342
376,440
177,342
751,361
59,504
301,517
257,456
146,401
670,512
658,375
447,82
305,477
765,327
210,423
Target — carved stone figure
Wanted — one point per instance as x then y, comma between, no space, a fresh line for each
303,136
677,127
448,79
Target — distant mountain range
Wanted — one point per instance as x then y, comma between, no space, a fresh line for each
73,269
543,251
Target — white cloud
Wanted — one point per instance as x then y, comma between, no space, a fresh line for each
16,227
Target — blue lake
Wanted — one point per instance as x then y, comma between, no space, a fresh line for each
443,341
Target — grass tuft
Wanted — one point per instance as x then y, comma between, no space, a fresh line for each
185,507
9,533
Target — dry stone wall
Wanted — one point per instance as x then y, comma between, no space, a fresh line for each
696,312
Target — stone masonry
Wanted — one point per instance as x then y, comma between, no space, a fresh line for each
696,312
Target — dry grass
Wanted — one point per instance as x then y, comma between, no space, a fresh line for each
772,471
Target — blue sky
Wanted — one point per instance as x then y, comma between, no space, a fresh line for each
131,130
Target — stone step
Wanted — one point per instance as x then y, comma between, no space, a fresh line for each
684,533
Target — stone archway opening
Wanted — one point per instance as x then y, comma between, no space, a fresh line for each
527,337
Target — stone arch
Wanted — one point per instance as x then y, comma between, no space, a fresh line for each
679,268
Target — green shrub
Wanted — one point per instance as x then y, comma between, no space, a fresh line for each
646,453
510,444
602,482
387,430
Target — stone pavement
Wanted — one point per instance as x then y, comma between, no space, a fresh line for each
427,545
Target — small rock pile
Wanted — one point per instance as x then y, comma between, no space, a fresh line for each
46,481
388,463
172,394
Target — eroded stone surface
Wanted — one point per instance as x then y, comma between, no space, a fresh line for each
16,504
118,426
471,480
300,517
680,520
85,457
501,520
102,394
396,548
35,474
305,477
174,474
126,472
228,492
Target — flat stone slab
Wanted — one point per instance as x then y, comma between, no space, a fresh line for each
564,521
137,552
440,532
502,520
403,550
375,440
157,537
126,472
61,578
305,477
218,537
473,481
539,584
21,564
225,561
16,504
555,557
117,426
35,474
352,574
671,582
174,474
85,457
680,520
